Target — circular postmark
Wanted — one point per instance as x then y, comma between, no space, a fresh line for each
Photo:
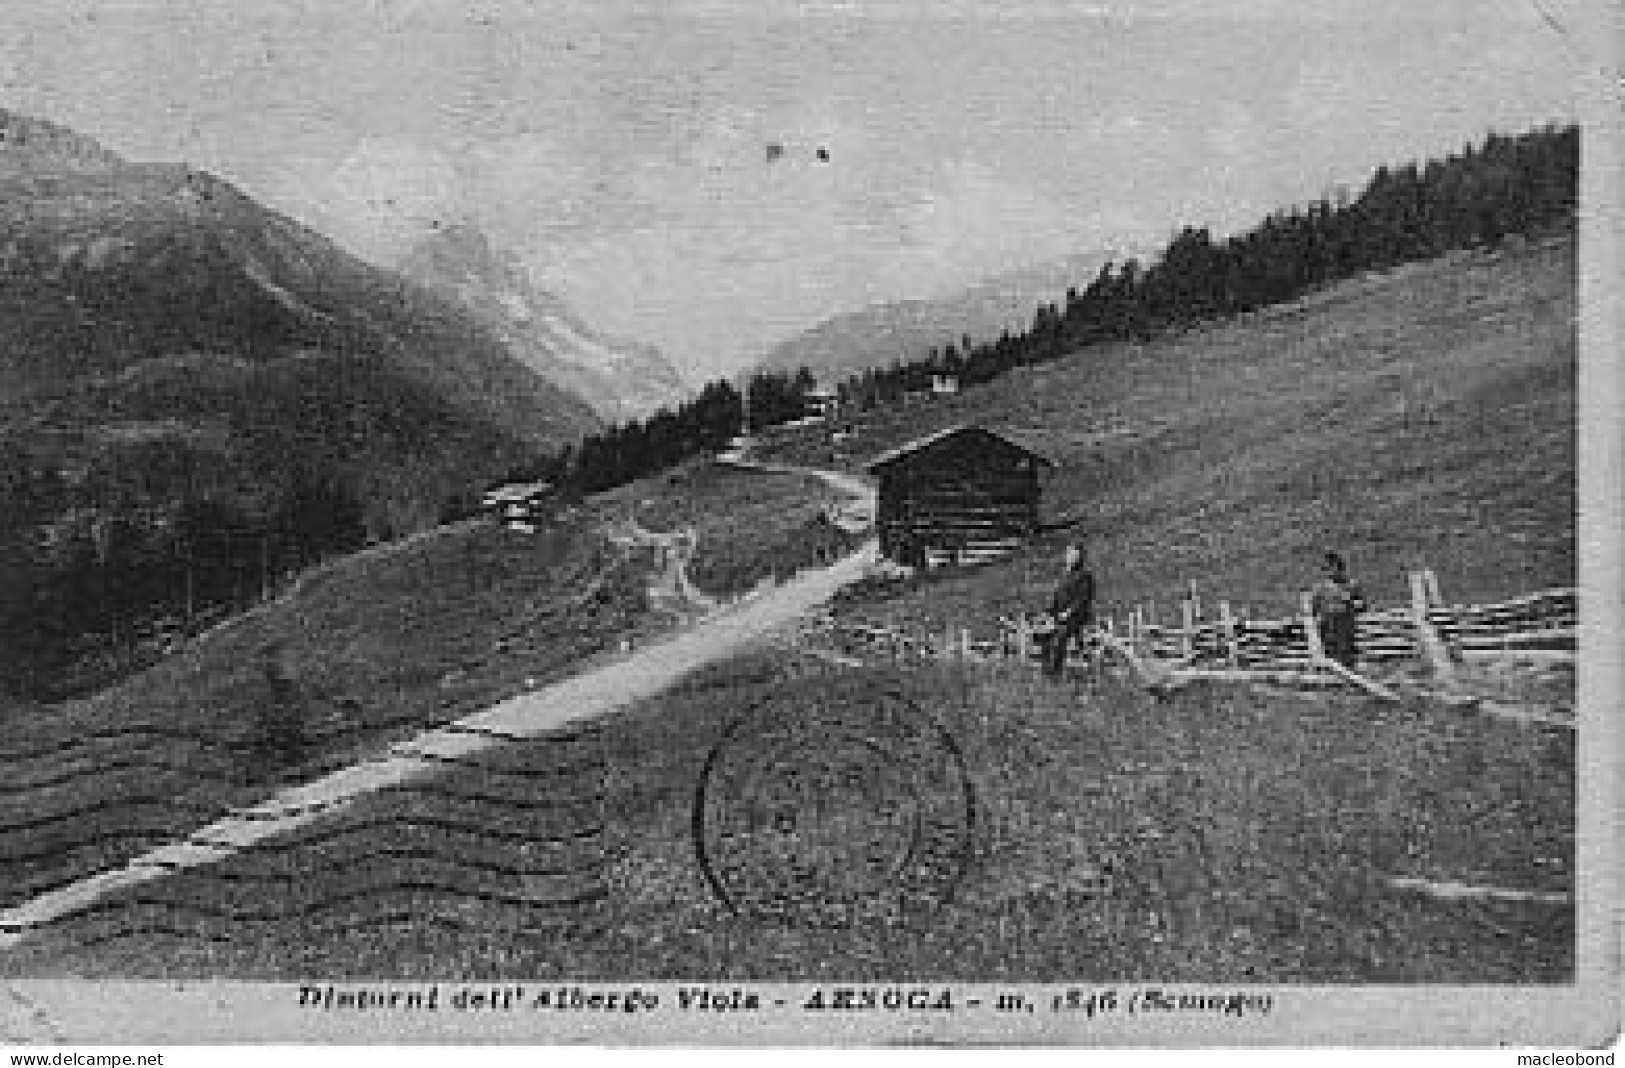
851,806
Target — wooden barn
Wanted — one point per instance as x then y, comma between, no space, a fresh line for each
958,496
518,504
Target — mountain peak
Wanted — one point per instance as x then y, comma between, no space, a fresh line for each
620,379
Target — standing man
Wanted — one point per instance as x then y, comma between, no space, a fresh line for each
1336,602
1073,608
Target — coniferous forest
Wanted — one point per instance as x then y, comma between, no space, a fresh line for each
80,586
1476,198
632,450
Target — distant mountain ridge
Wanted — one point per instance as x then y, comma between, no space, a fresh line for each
31,146
906,330
621,380
106,264
99,270
186,376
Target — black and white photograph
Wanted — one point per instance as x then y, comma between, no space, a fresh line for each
809,523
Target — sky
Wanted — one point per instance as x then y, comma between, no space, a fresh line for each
712,182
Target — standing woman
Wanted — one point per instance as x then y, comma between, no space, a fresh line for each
1336,602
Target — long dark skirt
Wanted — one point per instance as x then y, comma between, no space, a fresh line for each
1337,637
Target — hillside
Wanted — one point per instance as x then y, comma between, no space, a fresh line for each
30,146
1425,416
370,648
104,270
882,334
1215,838
177,359
1219,835
751,526
367,650
620,379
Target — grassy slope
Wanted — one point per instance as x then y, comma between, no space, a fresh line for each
1244,839
377,646
751,525
1424,419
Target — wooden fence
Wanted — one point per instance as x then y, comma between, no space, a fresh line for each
1533,623
1219,642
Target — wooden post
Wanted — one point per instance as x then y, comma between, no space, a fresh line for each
1188,633
1433,646
1432,581
1195,601
1023,638
1436,600
1374,689
964,643
1306,612
1228,622
1152,675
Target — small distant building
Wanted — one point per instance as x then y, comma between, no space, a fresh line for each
944,385
961,495
823,402
518,502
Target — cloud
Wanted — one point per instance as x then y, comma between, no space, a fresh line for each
531,172
530,188
973,221
740,251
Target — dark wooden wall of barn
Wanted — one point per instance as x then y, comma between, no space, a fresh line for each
960,493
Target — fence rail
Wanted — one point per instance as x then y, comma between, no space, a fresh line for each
1538,625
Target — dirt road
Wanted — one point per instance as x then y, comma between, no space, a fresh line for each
638,676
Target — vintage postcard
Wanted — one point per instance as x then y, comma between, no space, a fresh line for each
853,523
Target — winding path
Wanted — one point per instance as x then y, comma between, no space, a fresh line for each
636,677
839,481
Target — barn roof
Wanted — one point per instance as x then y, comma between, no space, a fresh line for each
929,441
516,492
